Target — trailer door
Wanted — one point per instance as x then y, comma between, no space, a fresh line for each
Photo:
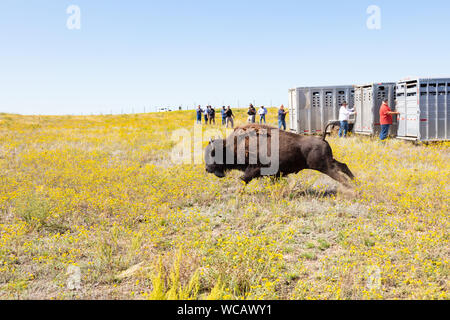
368,108
401,107
358,109
412,113
293,106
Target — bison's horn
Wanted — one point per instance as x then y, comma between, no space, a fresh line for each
211,140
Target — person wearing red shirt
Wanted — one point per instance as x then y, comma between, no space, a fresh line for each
386,119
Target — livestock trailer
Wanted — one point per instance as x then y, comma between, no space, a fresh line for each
368,100
311,108
424,109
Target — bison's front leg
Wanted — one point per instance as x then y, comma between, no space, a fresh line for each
251,173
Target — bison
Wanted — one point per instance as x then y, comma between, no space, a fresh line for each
254,150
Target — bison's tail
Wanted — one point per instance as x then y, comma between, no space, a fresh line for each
330,124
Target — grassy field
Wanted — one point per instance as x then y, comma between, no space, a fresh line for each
100,193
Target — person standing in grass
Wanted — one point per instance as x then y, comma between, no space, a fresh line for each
344,116
199,114
251,114
223,112
282,117
230,117
206,114
262,114
386,119
212,115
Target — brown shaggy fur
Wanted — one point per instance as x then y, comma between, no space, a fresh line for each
296,153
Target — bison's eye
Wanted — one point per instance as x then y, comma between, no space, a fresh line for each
213,153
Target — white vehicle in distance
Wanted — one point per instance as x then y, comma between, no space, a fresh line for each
164,109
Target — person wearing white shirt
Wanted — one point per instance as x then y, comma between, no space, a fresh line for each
262,114
206,114
344,115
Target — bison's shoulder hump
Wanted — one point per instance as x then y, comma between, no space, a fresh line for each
253,128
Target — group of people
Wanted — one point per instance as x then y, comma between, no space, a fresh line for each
252,114
209,115
228,117
385,119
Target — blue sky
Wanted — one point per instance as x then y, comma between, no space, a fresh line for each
134,54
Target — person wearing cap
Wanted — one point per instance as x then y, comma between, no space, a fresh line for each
386,119
344,115
282,117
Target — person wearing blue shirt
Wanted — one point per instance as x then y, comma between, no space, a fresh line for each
199,115
223,112
282,117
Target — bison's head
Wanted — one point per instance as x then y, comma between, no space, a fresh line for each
214,158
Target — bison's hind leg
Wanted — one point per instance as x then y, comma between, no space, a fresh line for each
344,168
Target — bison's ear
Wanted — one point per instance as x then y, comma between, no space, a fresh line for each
211,140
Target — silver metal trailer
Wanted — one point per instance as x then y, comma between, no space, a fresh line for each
424,109
311,108
368,100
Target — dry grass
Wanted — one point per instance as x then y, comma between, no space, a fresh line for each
100,193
